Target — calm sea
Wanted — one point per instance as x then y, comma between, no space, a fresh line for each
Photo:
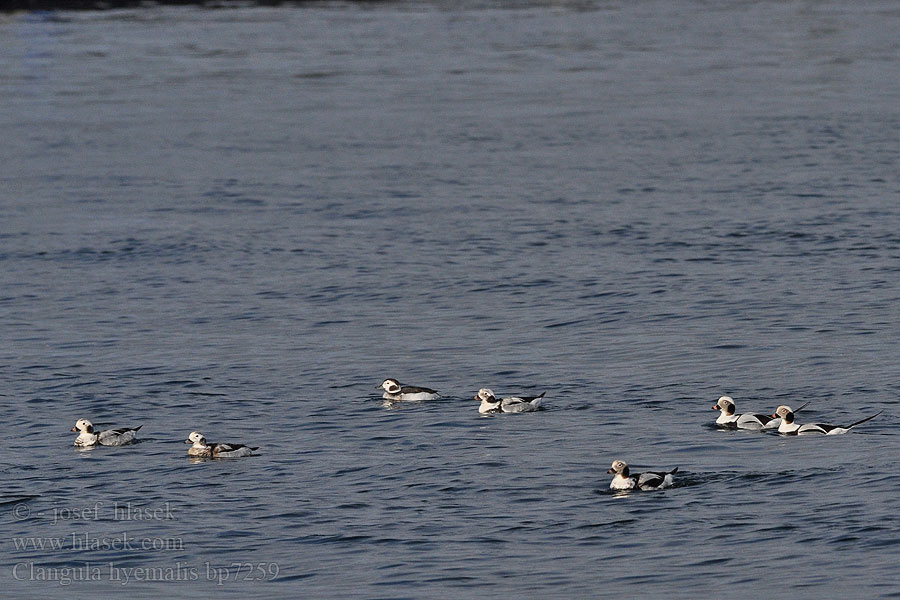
240,221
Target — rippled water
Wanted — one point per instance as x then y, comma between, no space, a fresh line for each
241,221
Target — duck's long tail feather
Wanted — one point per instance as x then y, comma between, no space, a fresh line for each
866,419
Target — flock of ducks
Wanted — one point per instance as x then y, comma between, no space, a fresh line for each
394,391
87,437
623,479
783,420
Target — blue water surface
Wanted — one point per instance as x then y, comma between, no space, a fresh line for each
242,220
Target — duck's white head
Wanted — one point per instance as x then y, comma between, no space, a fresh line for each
619,467
196,438
391,386
785,412
83,426
486,395
725,404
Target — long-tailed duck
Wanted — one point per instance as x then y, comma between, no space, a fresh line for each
393,390
202,449
107,437
789,427
647,481
729,419
513,404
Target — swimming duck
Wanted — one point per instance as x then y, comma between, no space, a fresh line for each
648,481
108,437
789,427
513,404
393,390
202,449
